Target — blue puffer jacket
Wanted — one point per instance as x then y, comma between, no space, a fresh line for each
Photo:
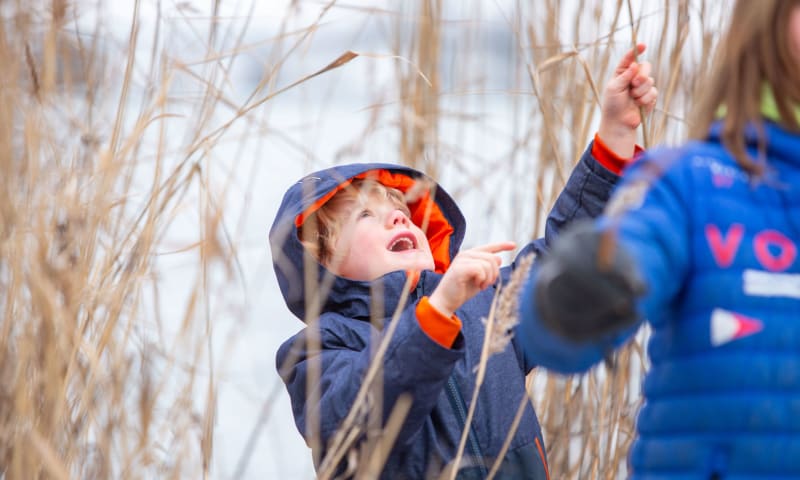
718,251
439,380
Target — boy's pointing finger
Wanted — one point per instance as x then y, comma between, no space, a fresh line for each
496,247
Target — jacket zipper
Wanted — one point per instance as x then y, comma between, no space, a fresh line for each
459,406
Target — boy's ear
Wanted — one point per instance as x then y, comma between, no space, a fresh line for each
309,237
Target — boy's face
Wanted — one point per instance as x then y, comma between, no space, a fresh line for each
377,237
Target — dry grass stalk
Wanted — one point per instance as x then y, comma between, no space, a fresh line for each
452,470
503,316
500,331
343,441
377,452
419,110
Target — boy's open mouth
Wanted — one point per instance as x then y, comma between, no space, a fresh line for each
402,242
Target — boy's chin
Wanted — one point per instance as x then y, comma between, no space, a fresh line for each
417,265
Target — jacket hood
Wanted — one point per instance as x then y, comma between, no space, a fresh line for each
432,209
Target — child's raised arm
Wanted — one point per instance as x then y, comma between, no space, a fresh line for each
629,91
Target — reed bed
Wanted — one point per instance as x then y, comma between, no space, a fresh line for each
95,383
107,146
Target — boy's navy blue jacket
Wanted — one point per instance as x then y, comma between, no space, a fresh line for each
350,321
718,250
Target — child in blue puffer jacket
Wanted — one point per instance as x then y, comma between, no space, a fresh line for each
362,253
702,241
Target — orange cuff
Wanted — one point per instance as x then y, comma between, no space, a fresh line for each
443,330
613,162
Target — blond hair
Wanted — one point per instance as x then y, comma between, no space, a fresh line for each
321,229
755,54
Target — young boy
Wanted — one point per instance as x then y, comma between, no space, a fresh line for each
371,231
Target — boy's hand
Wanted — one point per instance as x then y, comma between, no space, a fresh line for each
471,271
630,89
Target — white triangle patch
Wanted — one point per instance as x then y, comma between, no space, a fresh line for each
727,326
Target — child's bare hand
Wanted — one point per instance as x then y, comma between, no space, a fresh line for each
630,90
471,271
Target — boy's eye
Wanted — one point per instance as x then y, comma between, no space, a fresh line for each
364,213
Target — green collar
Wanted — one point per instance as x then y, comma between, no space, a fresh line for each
769,108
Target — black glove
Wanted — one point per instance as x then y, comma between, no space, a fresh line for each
582,296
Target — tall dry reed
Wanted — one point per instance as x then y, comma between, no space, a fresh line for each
94,382
84,391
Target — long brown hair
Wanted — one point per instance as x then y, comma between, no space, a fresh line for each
755,53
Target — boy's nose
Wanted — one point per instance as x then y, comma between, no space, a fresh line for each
397,217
